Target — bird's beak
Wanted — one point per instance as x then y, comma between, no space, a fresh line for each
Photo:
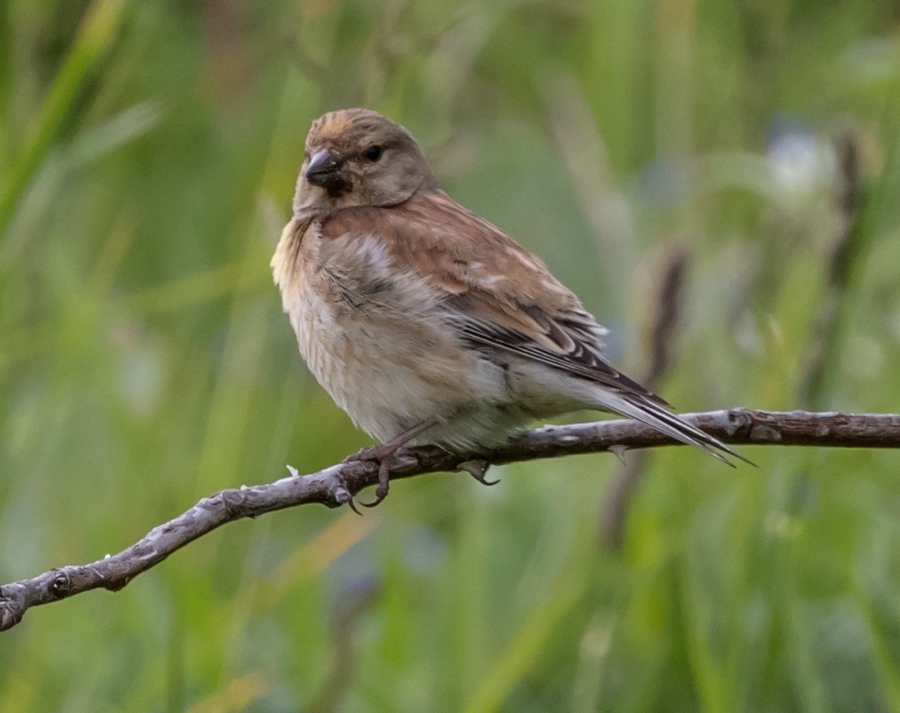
324,170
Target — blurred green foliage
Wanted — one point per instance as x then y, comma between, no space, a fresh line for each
148,152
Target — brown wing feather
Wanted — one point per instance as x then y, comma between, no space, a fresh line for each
501,296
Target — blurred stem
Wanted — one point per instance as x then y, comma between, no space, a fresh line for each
587,159
522,654
175,661
6,64
675,20
350,609
94,38
846,254
667,315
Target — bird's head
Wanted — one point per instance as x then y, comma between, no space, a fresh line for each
357,157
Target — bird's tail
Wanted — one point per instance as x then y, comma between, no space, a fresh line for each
655,416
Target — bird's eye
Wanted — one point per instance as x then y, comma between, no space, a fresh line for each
373,153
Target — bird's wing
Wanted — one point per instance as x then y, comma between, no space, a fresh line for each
499,294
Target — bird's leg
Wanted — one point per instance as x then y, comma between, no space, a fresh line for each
382,455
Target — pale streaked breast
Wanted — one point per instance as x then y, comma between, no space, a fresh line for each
377,339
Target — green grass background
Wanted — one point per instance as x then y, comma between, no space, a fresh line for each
148,153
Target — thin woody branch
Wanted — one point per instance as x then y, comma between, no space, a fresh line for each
336,485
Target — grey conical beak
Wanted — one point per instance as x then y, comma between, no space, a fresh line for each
323,168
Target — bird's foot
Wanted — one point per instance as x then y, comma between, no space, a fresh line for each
382,455
477,469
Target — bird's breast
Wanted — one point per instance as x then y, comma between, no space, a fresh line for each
376,338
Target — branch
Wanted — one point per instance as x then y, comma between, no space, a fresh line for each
338,484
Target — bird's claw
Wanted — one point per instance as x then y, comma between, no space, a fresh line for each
477,469
352,503
379,455
384,483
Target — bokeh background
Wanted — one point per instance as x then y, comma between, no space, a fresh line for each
148,154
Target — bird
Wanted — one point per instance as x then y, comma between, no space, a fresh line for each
426,323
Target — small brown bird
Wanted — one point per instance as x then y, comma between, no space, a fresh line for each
426,323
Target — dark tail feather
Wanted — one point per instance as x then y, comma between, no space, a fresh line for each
657,417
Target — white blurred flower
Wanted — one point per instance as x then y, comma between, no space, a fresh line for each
801,165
